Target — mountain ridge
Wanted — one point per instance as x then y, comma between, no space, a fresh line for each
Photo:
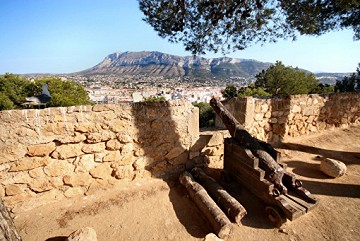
154,63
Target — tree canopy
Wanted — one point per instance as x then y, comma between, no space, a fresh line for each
14,89
349,83
281,80
207,25
229,92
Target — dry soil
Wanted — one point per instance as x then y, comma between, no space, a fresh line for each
159,210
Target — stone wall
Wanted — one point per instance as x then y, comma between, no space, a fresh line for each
276,119
54,153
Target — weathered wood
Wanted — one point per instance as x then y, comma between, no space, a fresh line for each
8,230
229,204
213,214
273,171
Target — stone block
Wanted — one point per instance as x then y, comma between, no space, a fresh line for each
68,151
139,164
41,150
332,168
103,171
127,149
2,191
9,153
78,179
85,163
216,139
123,172
124,137
13,189
93,148
112,156
212,237
73,192
259,116
113,145
124,160
104,135
86,127
41,185
296,109
28,163
76,138
83,234
57,168
119,125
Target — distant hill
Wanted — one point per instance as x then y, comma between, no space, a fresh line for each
171,66
330,78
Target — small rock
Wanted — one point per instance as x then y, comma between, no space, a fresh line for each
83,234
212,237
332,168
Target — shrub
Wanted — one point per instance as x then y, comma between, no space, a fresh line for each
206,114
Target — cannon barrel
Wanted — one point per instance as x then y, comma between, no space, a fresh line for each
273,171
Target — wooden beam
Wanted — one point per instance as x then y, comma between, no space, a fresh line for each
213,214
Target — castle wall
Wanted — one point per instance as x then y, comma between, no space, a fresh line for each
53,153
276,119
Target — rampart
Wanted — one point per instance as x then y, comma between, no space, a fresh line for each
276,119
55,153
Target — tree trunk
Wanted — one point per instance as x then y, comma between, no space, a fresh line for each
228,204
8,230
213,214
273,171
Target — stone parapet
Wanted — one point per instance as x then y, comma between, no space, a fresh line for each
53,153
276,119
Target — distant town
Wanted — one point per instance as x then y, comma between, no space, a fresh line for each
112,89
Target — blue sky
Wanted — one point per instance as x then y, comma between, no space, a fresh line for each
64,36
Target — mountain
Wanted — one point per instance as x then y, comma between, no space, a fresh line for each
171,66
330,78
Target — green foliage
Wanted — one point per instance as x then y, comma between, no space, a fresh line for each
14,89
279,80
229,92
155,99
64,93
349,83
206,114
5,102
235,25
323,89
252,91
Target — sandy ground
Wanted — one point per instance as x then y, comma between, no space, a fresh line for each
159,210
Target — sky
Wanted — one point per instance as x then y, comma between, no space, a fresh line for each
66,36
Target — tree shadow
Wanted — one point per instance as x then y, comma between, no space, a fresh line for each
280,110
349,158
167,155
333,189
306,169
58,238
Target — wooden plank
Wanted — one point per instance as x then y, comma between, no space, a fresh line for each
236,150
307,205
232,163
291,209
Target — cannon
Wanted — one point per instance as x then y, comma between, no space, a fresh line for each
256,165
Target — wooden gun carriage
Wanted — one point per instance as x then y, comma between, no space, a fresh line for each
256,165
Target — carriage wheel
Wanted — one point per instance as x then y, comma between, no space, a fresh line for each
275,215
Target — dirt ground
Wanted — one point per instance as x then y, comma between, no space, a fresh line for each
159,210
